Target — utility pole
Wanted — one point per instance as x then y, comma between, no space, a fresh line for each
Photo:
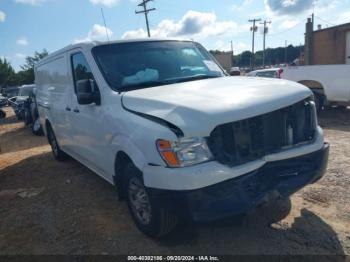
266,30
314,3
232,55
145,11
254,28
285,52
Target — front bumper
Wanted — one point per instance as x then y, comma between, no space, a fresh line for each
239,195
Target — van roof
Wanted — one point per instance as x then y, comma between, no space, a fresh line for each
90,44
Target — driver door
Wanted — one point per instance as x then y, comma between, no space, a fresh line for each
87,123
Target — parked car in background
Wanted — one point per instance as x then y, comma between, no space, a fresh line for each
235,71
18,103
267,73
10,92
3,101
2,113
25,108
177,136
329,83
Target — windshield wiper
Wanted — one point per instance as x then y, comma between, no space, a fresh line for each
165,82
193,78
143,85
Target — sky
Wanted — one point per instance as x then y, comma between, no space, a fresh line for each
30,25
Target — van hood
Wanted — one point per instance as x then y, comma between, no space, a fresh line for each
197,107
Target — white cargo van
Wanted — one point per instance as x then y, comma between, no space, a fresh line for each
161,121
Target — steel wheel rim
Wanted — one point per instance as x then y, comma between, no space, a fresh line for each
139,201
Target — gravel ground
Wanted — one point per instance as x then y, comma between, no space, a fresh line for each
47,207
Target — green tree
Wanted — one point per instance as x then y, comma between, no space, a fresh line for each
243,59
32,60
26,75
273,56
7,73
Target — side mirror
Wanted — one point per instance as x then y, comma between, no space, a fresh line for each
87,93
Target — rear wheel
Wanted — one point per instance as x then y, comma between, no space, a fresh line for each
319,102
151,218
27,117
56,151
36,128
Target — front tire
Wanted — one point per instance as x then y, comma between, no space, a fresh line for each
150,217
56,150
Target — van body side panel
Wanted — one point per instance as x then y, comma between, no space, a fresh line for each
53,87
42,94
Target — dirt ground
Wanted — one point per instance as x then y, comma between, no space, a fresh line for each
47,207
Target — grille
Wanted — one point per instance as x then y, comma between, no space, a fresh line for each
250,139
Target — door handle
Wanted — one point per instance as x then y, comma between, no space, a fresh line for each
68,109
76,110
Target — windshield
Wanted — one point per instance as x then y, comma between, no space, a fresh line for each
130,66
25,91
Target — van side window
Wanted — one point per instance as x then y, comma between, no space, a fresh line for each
81,68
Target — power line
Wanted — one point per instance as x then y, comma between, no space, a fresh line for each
254,28
266,29
145,11
325,21
287,30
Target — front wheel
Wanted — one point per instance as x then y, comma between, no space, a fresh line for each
151,218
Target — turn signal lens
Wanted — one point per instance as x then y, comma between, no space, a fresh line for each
166,151
163,145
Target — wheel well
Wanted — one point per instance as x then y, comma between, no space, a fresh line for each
121,160
315,86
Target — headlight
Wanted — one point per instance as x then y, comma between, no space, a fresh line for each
184,152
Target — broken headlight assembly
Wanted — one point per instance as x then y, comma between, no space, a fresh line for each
184,152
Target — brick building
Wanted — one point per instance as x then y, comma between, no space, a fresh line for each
327,46
225,59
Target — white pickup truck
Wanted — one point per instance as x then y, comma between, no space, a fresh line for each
329,83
